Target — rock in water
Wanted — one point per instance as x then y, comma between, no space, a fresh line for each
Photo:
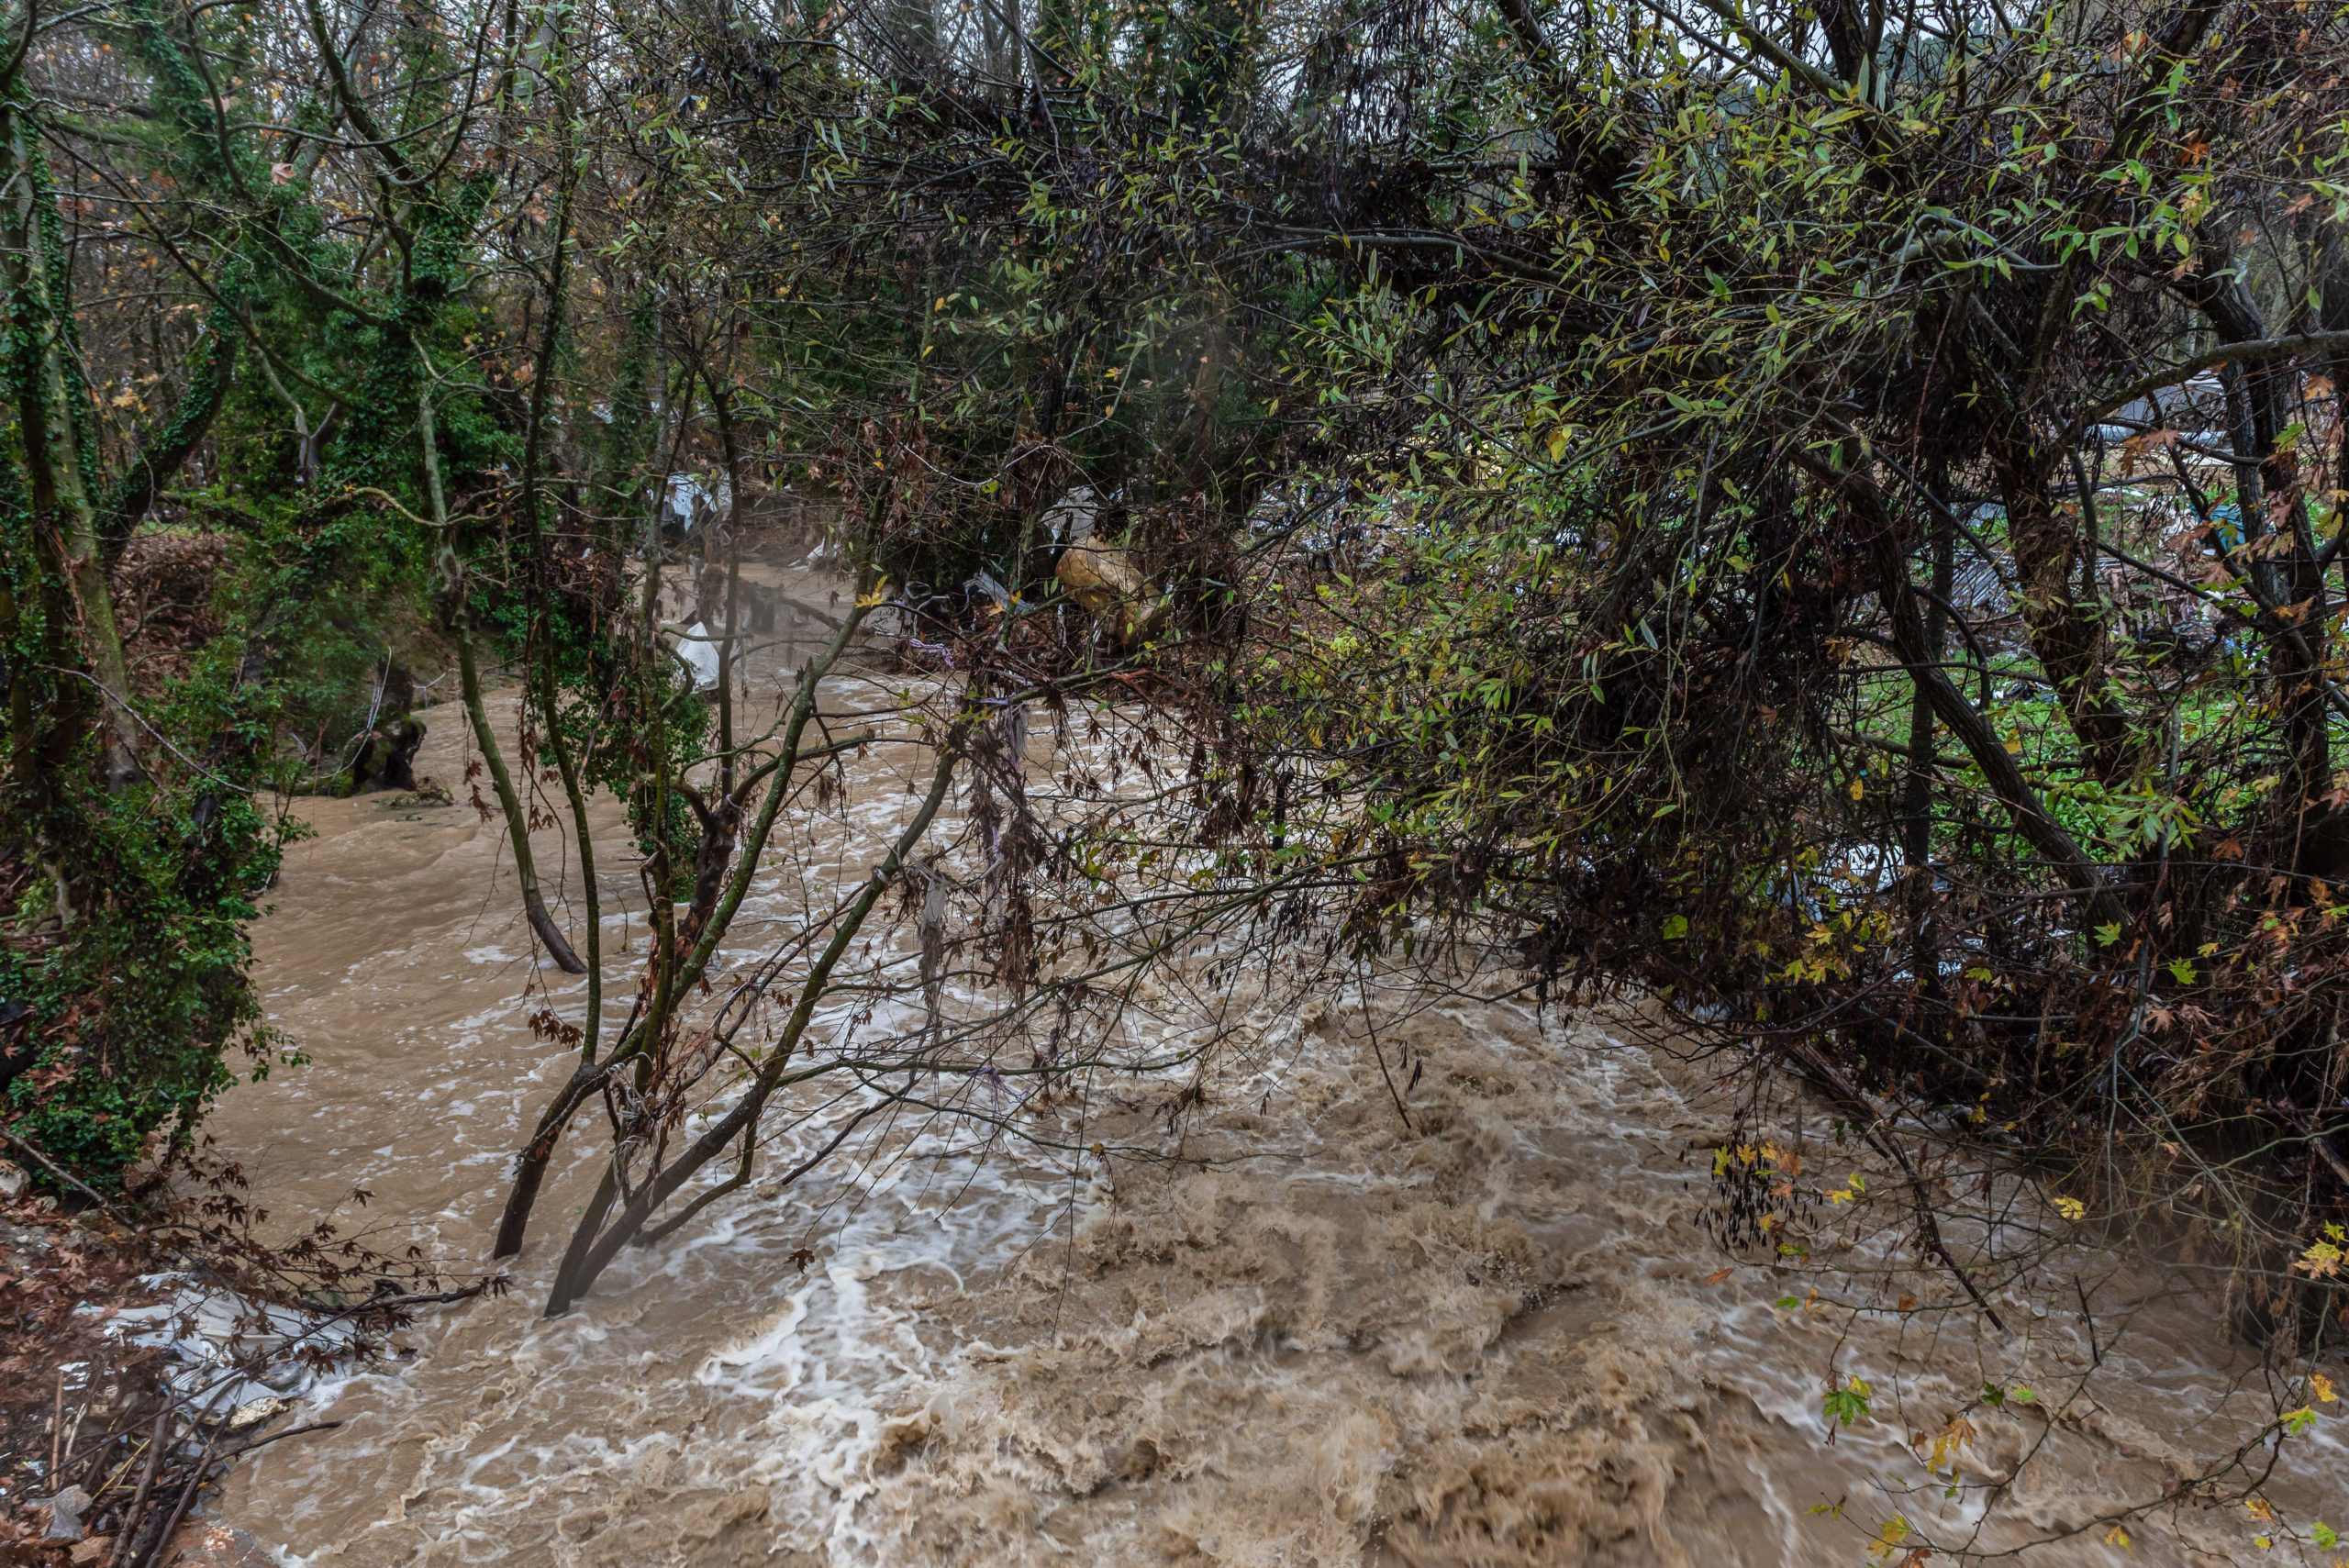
387,758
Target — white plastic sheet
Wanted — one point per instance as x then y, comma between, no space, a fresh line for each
698,654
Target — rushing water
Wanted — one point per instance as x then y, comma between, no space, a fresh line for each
1309,1335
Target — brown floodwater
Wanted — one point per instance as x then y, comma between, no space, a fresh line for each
1306,1334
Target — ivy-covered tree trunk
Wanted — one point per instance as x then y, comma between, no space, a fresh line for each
52,415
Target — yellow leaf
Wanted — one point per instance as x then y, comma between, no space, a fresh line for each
2070,1208
2014,746
1859,788
2322,1386
1889,1539
1557,443
1952,1437
2118,1537
2322,1259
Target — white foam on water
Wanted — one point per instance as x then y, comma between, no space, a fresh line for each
1288,1329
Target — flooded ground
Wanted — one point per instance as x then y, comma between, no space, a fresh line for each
1303,1333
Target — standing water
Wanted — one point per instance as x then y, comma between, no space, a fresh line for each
1307,1333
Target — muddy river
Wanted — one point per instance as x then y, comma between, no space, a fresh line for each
1308,1334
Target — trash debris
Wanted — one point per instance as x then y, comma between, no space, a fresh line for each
697,651
65,1514
1105,580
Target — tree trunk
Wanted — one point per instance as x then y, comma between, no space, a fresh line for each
592,1245
53,415
1917,794
460,627
2067,625
530,1165
517,823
